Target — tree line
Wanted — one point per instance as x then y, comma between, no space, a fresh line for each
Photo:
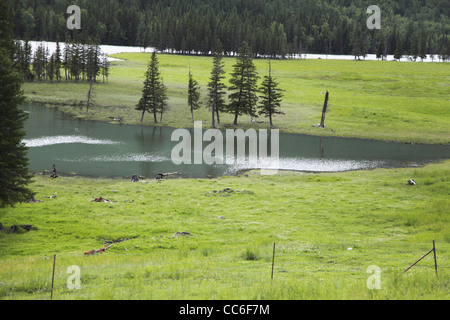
245,97
276,28
80,62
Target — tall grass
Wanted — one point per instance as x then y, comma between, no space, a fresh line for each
228,275
324,244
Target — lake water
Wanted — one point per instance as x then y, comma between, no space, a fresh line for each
110,49
102,149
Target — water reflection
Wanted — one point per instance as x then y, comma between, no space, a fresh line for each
100,149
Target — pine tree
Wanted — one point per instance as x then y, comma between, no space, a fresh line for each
14,175
83,59
216,88
414,52
76,61
145,38
423,46
193,95
243,99
271,97
105,67
92,62
27,59
153,94
58,62
398,53
163,105
40,62
359,45
444,47
6,27
18,56
45,63
381,48
50,68
67,59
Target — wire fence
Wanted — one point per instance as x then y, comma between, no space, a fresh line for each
80,276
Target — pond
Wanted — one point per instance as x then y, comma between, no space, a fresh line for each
101,149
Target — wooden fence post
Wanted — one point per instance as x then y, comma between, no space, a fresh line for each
53,276
435,260
273,259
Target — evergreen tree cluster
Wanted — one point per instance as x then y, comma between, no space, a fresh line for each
276,28
81,62
244,95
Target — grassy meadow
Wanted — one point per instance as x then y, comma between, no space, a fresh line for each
328,229
383,100
185,240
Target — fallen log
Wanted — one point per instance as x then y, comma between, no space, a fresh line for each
165,175
92,252
119,240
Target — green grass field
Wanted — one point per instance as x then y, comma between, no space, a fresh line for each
328,228
314,220
383,100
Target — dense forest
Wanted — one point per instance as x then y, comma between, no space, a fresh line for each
276,28
81,62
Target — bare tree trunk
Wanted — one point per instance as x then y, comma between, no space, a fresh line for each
89,96
324,111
